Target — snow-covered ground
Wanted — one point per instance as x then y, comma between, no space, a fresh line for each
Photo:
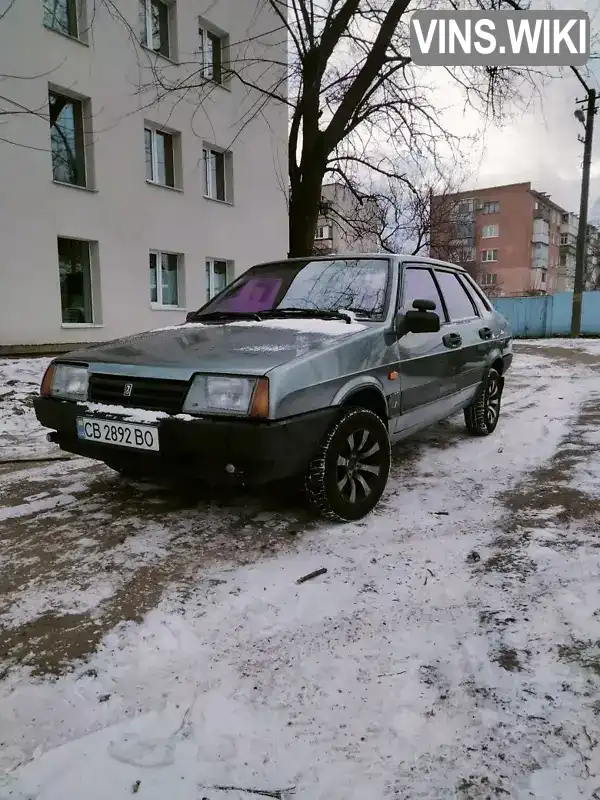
591,346
158,645
20,434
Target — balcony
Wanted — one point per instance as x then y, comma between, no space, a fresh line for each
569,246
539,280
542,212
569,229
539,237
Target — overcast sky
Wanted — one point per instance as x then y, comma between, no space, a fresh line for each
541,146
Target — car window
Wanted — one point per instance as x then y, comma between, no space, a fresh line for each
481,300
357,284
419,285
458,302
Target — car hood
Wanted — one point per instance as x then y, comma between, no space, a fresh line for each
238,348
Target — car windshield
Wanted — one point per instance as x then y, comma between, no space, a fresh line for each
314,286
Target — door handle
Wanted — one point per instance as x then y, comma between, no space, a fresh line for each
485,333
452,340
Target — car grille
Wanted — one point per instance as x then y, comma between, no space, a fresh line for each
154,394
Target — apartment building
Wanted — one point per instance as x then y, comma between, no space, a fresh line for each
124,203
568,247
508,237
347,224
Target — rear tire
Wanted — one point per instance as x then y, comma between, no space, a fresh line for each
481,417
347,477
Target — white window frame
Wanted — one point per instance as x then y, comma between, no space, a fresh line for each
489,279
485,257
159,305
214,151
204,31
154,134
148,25
210,264
491,207
495,231
91,255
323,232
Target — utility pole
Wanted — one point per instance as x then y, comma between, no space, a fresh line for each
587,120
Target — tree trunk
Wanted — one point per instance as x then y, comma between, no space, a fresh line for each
305,199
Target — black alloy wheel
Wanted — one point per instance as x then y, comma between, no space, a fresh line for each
482,416
348,476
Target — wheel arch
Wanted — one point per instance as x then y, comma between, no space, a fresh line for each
366,394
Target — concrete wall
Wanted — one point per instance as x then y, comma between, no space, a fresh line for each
550,315
124,214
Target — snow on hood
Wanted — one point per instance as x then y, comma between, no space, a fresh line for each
330,327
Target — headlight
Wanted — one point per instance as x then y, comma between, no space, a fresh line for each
66,382
218,394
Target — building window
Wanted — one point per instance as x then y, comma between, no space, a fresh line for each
217,276
155,26
217,175
160,157
67,139
489,255
323,232
490,231
544,276
212,49
61,16
491,207
164,280
75,281
489,279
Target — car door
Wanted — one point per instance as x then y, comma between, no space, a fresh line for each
426,363
461,334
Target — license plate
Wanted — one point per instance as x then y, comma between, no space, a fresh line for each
121,434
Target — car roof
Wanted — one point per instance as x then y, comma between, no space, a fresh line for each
397,256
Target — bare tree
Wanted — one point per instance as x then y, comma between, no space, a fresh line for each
592,264
357,103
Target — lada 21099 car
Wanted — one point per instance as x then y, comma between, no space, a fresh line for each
309,367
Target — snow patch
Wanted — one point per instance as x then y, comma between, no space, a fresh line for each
140,415
325,326
179,327
590,346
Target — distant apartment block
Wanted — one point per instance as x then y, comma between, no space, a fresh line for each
568,249
346,223
123,213
508,237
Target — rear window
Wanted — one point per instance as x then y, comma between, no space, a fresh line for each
474,291
458,302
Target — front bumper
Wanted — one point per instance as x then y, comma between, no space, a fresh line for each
260,451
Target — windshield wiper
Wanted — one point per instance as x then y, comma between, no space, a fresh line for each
361,312
224,315
314,313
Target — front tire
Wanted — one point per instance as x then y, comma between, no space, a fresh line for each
347,477
481,417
